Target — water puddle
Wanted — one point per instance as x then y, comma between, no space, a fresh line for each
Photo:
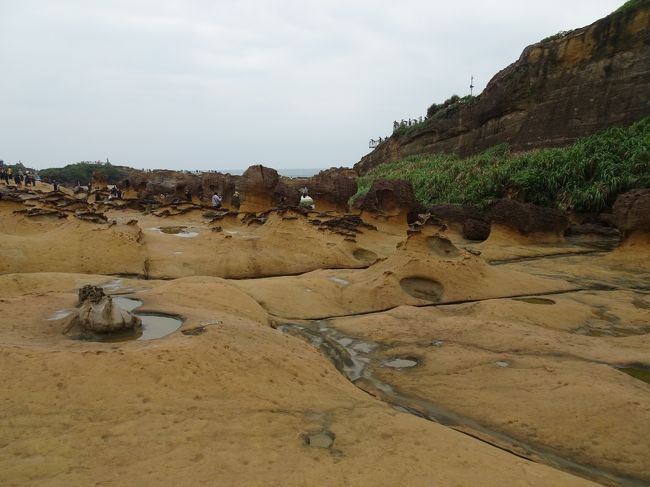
400,363
179,231
544,301
154,325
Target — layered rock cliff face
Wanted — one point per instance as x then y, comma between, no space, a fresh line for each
558,90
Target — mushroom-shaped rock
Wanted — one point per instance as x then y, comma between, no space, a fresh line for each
106,317
98,313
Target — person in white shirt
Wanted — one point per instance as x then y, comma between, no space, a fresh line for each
216,201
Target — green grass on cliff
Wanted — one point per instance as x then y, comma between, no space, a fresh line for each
585,177
629,5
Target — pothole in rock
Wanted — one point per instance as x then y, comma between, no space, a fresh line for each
400,363
442,247
422,288
179,231
364,255
638,372
323,439
153,326
544,301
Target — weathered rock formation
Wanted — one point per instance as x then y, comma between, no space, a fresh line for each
98,314
632,212
257,187
558,90
331,189
466,219
527,218
260,187
390,197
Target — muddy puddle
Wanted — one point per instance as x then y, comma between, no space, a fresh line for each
400,363
154,325
179,231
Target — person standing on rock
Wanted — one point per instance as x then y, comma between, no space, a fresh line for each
188,195
216,201
235,200
307,202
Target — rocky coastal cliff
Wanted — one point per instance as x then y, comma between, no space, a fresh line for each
560,89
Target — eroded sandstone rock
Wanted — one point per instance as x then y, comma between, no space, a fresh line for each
98,314
389,196
632,211
527,218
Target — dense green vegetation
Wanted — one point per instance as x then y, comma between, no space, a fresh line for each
555,37
439,110
585,177
82,172
630,4
436,111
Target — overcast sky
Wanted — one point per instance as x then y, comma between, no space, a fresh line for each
216,84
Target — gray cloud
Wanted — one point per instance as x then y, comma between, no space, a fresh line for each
223,84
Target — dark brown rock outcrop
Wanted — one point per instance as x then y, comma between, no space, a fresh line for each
260,187
527,218
559,90
331,188
467,219
389,196
632,211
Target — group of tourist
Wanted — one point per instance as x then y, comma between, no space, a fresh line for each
408,123
115,193
306,201
235,200
19,177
